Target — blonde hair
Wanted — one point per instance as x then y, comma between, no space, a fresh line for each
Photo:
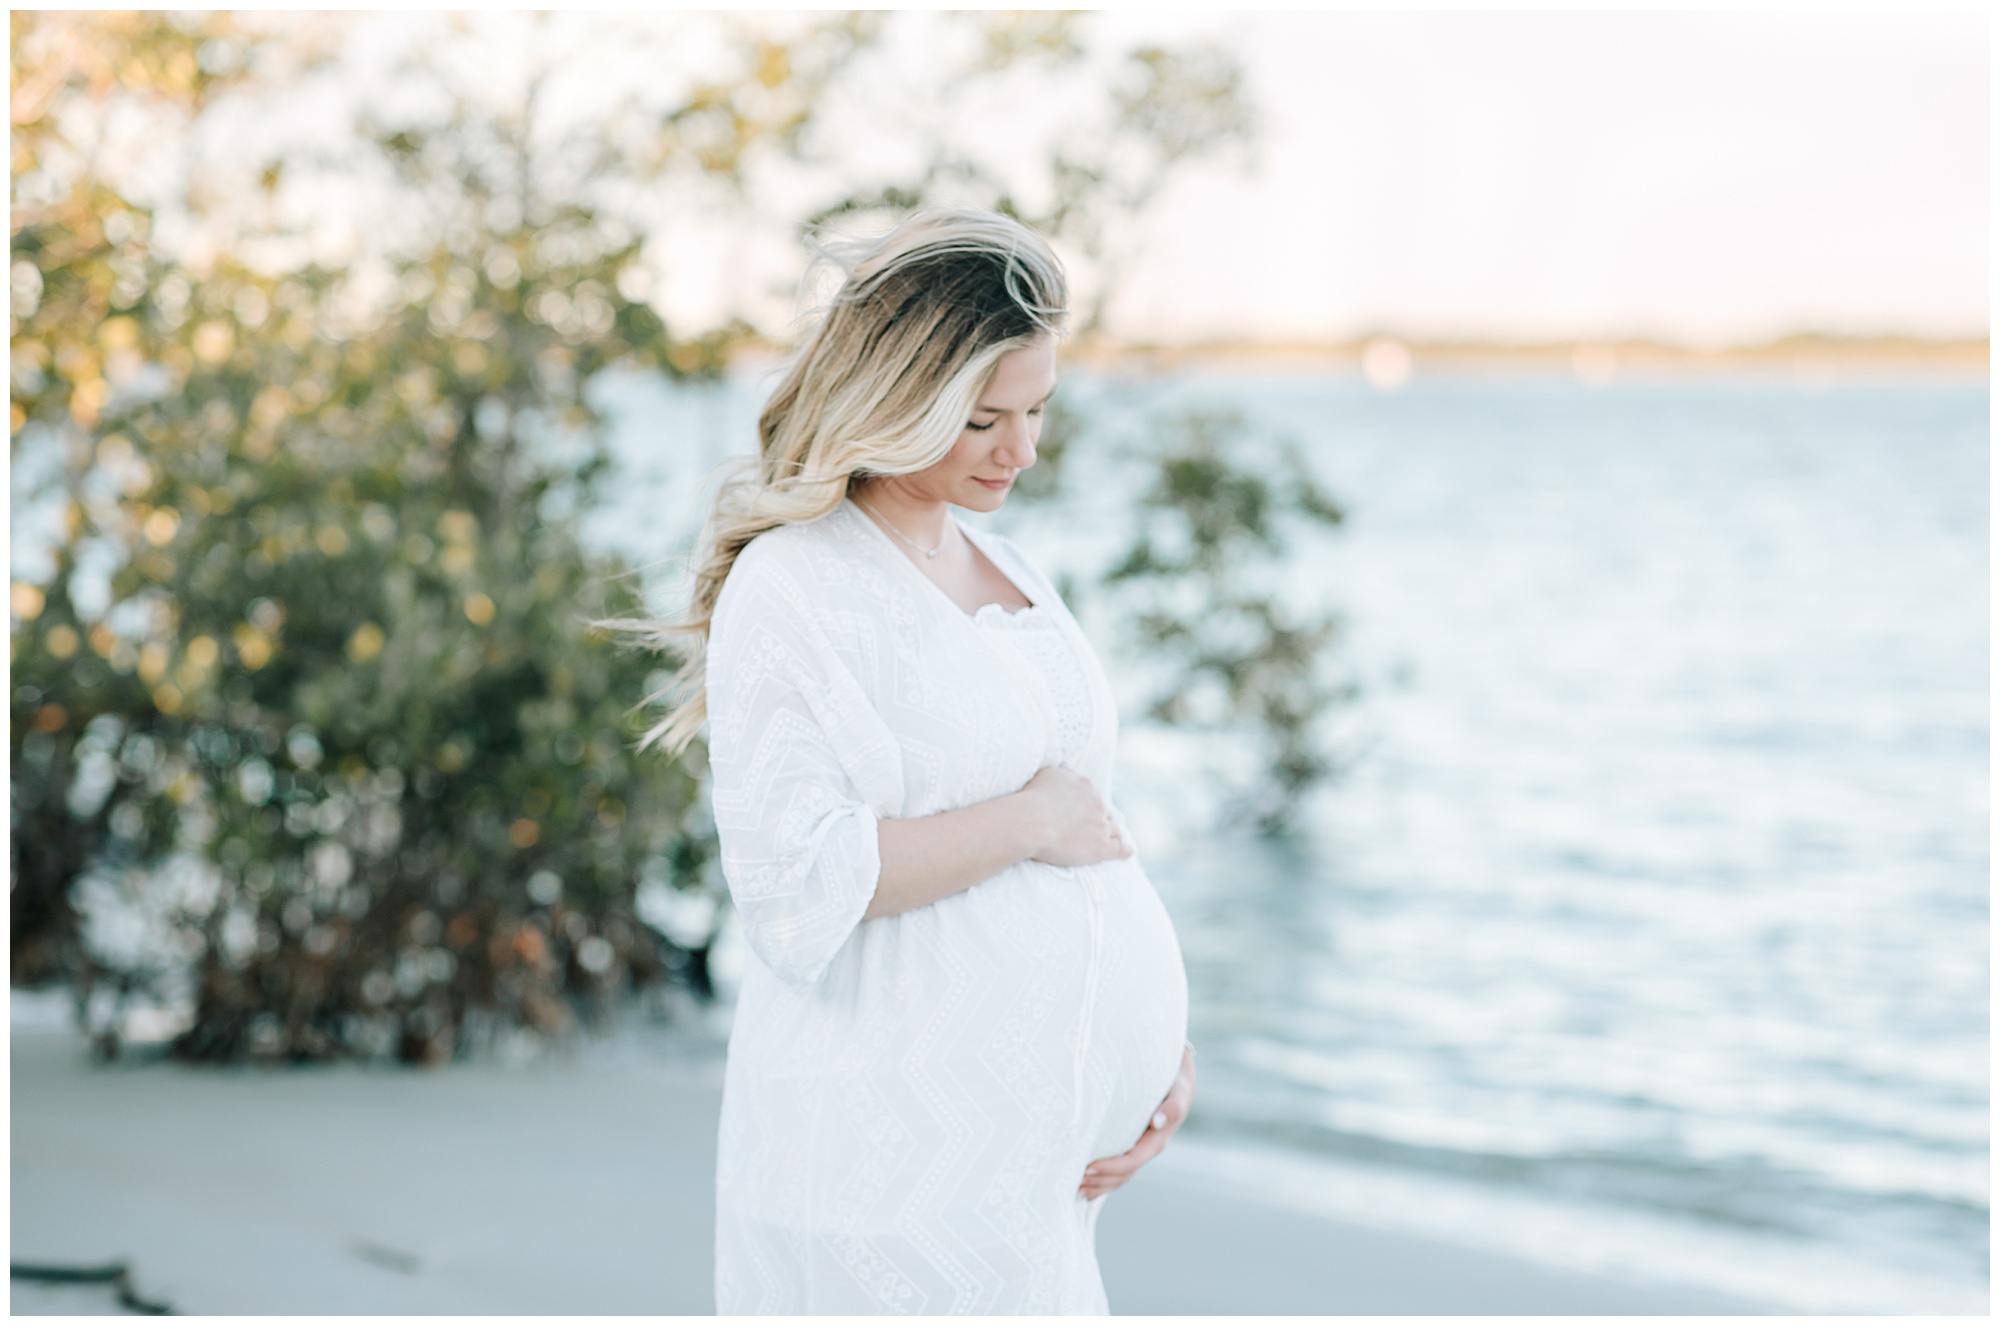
882,385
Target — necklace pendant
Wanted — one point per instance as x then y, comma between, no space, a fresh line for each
930,553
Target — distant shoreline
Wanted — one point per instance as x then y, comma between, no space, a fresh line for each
1388,361
1806,354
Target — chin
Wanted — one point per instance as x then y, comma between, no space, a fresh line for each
977,497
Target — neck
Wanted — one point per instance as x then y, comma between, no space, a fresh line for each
924,519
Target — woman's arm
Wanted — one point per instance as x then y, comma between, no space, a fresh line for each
1058,817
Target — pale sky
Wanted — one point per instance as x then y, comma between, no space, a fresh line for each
1704,177
1701,177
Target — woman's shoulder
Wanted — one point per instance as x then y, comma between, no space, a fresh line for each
790,563
790,549
789,602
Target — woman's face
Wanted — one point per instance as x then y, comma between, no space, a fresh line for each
998,441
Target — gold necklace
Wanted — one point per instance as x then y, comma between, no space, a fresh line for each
928,552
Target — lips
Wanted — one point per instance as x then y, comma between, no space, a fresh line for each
995,484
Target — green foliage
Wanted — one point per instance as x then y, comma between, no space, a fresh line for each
79,262
346,660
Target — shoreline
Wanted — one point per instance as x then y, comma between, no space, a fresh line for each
1388,360
581,1183
1591,359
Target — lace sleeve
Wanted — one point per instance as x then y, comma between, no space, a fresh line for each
798,842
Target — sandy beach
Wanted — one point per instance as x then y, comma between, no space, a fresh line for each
580,1184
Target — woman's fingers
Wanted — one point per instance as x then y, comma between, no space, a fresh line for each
1102,1176
1080,826
1113,834
1126,1165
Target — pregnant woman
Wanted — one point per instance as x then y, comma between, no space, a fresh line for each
964,1020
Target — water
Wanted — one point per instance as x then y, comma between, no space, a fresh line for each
1649,931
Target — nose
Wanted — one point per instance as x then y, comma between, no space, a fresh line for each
1017,446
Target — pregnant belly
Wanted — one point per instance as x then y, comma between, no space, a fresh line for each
1055,996
1138,1021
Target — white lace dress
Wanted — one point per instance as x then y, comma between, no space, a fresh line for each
910,1101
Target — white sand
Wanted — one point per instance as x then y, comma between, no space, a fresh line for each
579,1187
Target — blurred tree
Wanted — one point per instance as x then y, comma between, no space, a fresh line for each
1188,576
1233,650
344,658
77,262
313,627
1164,109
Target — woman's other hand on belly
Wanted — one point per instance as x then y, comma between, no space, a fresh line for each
1102,1176
1077,826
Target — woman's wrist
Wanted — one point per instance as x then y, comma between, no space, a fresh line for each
1028,827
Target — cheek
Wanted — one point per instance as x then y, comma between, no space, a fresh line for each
966,454
964,458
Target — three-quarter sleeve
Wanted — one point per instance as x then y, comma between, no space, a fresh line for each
798,840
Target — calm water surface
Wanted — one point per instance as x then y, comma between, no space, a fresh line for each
1650,928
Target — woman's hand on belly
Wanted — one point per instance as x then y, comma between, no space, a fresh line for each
1077,826
1102,1176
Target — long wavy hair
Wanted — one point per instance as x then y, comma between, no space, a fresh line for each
883,384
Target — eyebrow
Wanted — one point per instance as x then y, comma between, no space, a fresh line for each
994,409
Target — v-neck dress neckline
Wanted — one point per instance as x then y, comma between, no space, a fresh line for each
985,613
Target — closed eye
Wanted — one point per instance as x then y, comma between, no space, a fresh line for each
1040,407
